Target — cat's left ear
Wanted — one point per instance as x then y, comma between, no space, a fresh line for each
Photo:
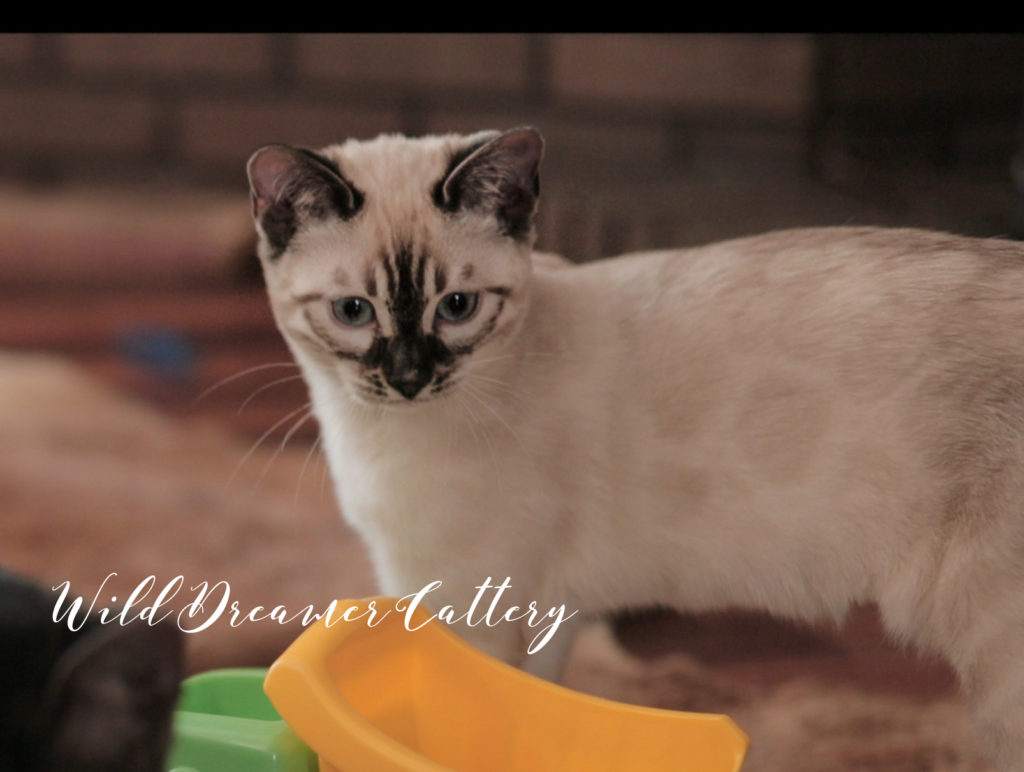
292,187
499,176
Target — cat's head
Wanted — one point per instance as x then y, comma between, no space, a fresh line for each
100,699
396,264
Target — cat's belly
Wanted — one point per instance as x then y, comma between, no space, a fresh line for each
802,528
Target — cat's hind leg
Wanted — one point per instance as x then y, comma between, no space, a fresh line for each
962,596
990,662
549,661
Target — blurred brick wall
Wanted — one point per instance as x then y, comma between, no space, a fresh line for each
192,107
122,156
639,128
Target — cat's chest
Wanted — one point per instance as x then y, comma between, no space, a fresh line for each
417,473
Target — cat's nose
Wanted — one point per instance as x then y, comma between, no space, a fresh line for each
409,385
406,368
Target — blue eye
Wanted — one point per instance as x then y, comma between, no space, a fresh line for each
355,312
457,306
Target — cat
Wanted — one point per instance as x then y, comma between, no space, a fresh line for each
793,422
97,699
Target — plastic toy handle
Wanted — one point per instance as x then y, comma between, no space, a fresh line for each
299,684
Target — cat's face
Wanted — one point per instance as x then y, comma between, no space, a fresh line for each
396,265
100,699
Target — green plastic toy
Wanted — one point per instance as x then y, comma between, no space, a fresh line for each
224,723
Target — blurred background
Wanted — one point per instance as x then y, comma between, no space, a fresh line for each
149,421
122,187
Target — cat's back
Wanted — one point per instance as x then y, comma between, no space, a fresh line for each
756,346
816,260
812,287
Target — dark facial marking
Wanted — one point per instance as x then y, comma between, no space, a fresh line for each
441,380
421,274
407,302
467,272
390,277
325,338
408,367
486,330
440,280
407,363
371,283
374,356
314,325
409,358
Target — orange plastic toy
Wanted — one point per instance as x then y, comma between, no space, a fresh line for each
384,699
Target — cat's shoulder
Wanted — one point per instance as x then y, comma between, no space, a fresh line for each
548,261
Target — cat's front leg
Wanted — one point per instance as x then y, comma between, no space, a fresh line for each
549,662
999,715
512,646
986,648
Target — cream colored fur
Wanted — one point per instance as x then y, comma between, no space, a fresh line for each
792,422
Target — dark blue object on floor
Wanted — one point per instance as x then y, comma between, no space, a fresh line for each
165,352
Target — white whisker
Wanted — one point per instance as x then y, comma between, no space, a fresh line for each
284,441
495,383
224,381
302,472
490,446
266,386
262,437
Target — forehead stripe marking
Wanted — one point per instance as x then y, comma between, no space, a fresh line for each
389,269
421,271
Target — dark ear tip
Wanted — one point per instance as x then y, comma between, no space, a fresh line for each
529,130
528,137
261,150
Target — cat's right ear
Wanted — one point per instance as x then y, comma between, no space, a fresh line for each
291,187
498,175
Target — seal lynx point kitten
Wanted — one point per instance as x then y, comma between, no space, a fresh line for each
792,422
94,699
